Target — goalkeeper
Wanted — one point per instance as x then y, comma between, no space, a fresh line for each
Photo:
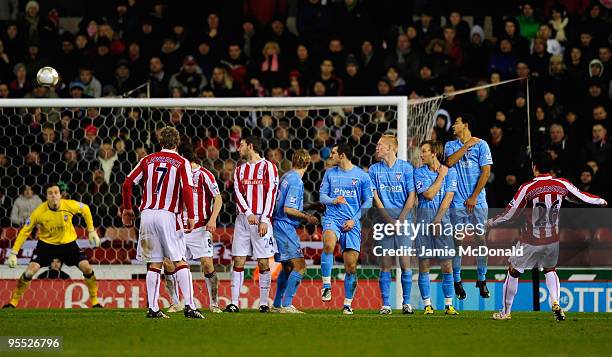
56,240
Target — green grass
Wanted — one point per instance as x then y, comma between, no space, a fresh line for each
320,333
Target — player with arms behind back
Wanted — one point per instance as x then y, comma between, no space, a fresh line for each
346,190
56,240
207,205
539,202
167,186
436,185
287,216
393,184
255,186
471,157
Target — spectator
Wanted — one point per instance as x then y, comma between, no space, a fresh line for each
93,87
371,64
552,108
512,32
462,28
599,148
24,205
89,144
190,79
477,54
31,171
276,156
5,64
538,61
20,86
5,92
559,22
453,46
31,20
563,155
333,84
122,82
5,207
353,79
271,68
158,78
504,60
527,22
108,162
404,58
54,271
222,84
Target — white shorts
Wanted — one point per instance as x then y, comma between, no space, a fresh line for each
247,242
541,256
158,237
198,244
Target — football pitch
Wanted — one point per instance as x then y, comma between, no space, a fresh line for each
114,332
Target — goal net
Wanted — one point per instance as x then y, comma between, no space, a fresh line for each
89,146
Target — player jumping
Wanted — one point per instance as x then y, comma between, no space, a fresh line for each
471,157
167,185
539,237
393,183
346,190
255,185
56,240
287,215
436,185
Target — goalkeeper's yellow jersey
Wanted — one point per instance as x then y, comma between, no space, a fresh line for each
54,227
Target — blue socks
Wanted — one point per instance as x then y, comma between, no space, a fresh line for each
294,281
481,267
457,268
327,261
385,285
350,284
406,286
281,285
424,285
447,285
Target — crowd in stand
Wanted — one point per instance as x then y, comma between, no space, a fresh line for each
260,48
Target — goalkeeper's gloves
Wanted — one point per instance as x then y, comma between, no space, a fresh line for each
93,238
12,260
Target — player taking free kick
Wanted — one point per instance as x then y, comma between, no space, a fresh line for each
539,202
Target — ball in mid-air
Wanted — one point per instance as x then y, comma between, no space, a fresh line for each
47,76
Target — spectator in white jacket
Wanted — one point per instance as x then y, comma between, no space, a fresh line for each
24,205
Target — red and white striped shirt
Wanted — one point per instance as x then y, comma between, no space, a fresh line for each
543,197
205,189
255,188
163,174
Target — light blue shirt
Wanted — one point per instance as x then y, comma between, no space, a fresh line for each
424,177
356,187
290,194
392,184
469,170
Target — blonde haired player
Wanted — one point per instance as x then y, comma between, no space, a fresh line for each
393,184
287,216
198,244
167,186
56,239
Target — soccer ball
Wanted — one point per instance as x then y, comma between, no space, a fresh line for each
47,77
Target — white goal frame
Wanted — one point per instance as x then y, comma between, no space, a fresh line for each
246,104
